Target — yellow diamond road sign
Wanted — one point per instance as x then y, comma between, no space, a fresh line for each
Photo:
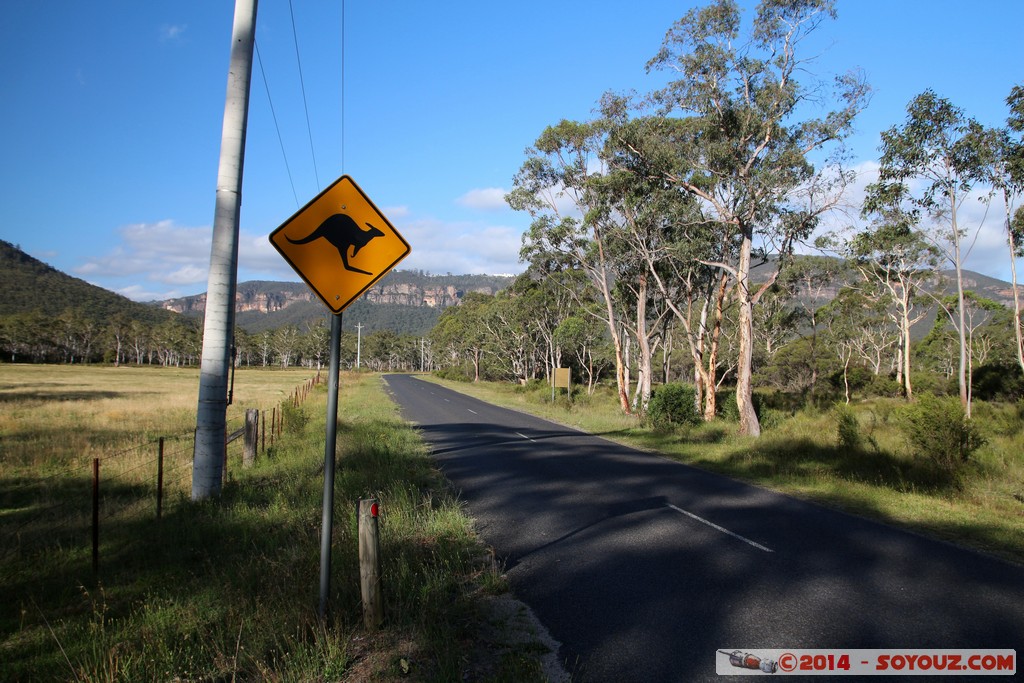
340,243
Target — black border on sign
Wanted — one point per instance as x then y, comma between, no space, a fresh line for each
314,200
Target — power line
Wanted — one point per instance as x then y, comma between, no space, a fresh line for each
343,85
276,126
302,85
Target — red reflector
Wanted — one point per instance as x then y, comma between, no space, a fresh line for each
373,510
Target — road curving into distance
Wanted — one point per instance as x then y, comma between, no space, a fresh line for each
644,568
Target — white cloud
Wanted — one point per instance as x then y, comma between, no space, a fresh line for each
152,248
162,260
985,242
461,247
172,32
186,275
395,211
485,199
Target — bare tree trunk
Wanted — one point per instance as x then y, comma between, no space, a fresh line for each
644,346
905,352
846,379
710,375
963,377
1016,295
749,424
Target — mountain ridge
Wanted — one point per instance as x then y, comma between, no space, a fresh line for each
403,301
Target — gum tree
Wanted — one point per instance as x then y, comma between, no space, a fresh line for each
745,153
1007,176
893,260
554,188
929,168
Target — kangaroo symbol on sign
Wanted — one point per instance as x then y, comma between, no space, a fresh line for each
344,233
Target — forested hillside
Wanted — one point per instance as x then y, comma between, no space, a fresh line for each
29,286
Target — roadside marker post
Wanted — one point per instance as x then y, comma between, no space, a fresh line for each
340,244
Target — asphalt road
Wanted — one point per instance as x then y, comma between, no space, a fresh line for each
644,568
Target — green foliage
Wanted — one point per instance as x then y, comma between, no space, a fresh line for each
939,431
29,284
673,405
294,418
454,373
847,427
726,407
998,382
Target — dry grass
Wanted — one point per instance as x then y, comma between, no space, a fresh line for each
60,417
226,590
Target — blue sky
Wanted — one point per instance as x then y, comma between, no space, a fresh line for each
112,113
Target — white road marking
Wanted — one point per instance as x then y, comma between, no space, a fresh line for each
473,411
526,437
722,529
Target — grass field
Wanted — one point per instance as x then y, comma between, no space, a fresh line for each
228,590
801,454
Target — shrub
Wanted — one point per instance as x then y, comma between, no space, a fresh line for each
847,427
455,374
771,419
939,430
884,385
293,417
998,382
672,405
726,405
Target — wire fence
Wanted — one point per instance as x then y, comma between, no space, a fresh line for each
69,509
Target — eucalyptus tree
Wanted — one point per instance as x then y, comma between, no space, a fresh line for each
316,343
460,331
264,345
542,303
746,147
514,343
554,187
894,260
1007,176
286,342
809,283
929,168
640,213
582,337
667,234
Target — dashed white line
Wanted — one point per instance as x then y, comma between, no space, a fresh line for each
722,529
473,411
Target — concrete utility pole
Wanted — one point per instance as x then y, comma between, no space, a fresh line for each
359,344
218,329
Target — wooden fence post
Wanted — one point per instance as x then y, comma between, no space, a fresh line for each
251,425
369,564
273,424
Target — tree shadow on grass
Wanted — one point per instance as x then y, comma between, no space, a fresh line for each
799,458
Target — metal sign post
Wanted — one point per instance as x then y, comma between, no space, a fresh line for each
340,244
329,462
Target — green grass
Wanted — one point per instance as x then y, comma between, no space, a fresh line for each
802,454
228,590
